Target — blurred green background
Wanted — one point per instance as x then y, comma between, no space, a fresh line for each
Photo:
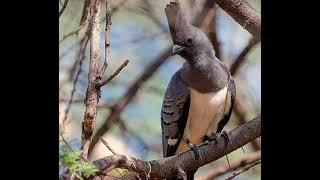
135,36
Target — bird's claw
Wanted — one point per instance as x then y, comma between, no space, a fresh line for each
195,149
226,136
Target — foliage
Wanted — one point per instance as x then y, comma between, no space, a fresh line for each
78,168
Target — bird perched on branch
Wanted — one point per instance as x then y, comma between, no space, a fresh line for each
199,98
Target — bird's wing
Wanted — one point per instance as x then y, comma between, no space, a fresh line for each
174,113
231,95
178,25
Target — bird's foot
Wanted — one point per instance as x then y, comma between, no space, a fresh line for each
226,136
194,148
182,174
215,136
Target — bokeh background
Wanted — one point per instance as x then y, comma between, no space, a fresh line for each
139,32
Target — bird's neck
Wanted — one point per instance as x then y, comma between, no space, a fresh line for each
206,75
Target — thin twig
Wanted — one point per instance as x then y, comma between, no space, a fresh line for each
124,64
240,59
63,7
108,146
66,142
73,88
246,168
224,169
79,60
107,37
75,32
85,12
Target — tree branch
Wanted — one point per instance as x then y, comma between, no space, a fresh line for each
63,7
221,170
240,59
85,12
168,167
107,37
244,14
244,169
104,82
92,93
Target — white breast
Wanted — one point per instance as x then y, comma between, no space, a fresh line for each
206,110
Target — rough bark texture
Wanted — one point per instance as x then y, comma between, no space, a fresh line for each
167,167
243,13
91,100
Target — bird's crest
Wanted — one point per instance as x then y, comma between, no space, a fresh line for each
179,27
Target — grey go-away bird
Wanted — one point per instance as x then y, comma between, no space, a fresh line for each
199,98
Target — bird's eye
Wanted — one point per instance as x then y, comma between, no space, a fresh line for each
188,43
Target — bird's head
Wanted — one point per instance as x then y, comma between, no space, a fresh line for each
189,41
195,44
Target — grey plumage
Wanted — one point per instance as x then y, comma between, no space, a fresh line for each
199,98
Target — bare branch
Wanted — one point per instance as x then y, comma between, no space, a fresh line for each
85,12
79,60
168,167
221,170
75,32
124,64
107,37
108,146
92,95
73,88
244,169
244,14
63,7
240,59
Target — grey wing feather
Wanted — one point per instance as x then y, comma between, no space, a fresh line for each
231,95
174,113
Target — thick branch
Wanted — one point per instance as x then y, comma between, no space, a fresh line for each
243,13
92,98
167,167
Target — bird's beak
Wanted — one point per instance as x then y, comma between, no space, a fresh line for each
176,49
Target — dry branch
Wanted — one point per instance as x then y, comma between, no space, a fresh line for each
167,167
107,37
85,12
243,163
104,82
92,93
240,59
63,7
244,14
